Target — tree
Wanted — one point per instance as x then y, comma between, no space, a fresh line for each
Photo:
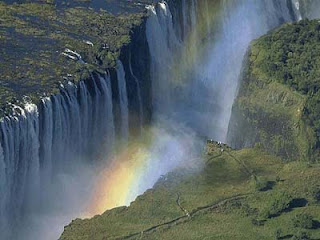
303,220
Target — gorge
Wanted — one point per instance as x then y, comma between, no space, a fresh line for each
133,120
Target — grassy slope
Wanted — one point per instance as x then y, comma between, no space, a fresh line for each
224,176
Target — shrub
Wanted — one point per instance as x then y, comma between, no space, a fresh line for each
290,56
303,220
259,183
257,222
248,211
316,195
276,204
278,234
301,235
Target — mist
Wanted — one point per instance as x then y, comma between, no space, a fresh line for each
64,199
163,147
195,69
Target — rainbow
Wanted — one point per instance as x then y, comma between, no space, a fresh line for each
119,181
138,166
212,49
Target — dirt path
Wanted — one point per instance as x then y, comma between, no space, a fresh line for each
181,207
185,217
188,215
241,163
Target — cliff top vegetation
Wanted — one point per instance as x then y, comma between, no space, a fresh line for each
290,55
44,43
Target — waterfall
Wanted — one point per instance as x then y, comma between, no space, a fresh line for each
107,118
163,43
47,138
195,81
296,7
141,117
124,130
3,191
20,166
41,144
184,17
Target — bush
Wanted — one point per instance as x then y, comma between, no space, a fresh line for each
316,195
301,236
291,57
278,234
277,203
259,183
257,222
303,220
248,211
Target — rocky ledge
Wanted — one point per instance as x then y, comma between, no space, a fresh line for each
48,43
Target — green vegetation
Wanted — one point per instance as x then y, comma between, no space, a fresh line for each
301,235
303,220
220,200
260,183
290,56
276,203
34,36
278,103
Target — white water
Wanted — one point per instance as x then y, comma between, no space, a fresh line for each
163,44
44,168
296,5
306,8
141,117
123,103
195,77
20,162
107,117
198,89
43,158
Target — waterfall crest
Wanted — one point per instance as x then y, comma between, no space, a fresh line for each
195,76
196,55
38,144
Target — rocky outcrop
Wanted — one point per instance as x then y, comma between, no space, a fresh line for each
269,113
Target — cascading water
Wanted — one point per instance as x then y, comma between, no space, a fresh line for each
196,61
139,95
20,163
195,76
162,43
296,5
306,8
38,147
124,130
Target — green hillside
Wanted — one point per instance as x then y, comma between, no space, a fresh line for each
245,194
251,193
278,101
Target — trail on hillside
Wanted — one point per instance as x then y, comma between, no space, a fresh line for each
185,218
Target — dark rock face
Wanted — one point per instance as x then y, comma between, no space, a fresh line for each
136,60
45,44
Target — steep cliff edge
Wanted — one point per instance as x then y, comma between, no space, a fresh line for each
45,44
72,82
277,103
